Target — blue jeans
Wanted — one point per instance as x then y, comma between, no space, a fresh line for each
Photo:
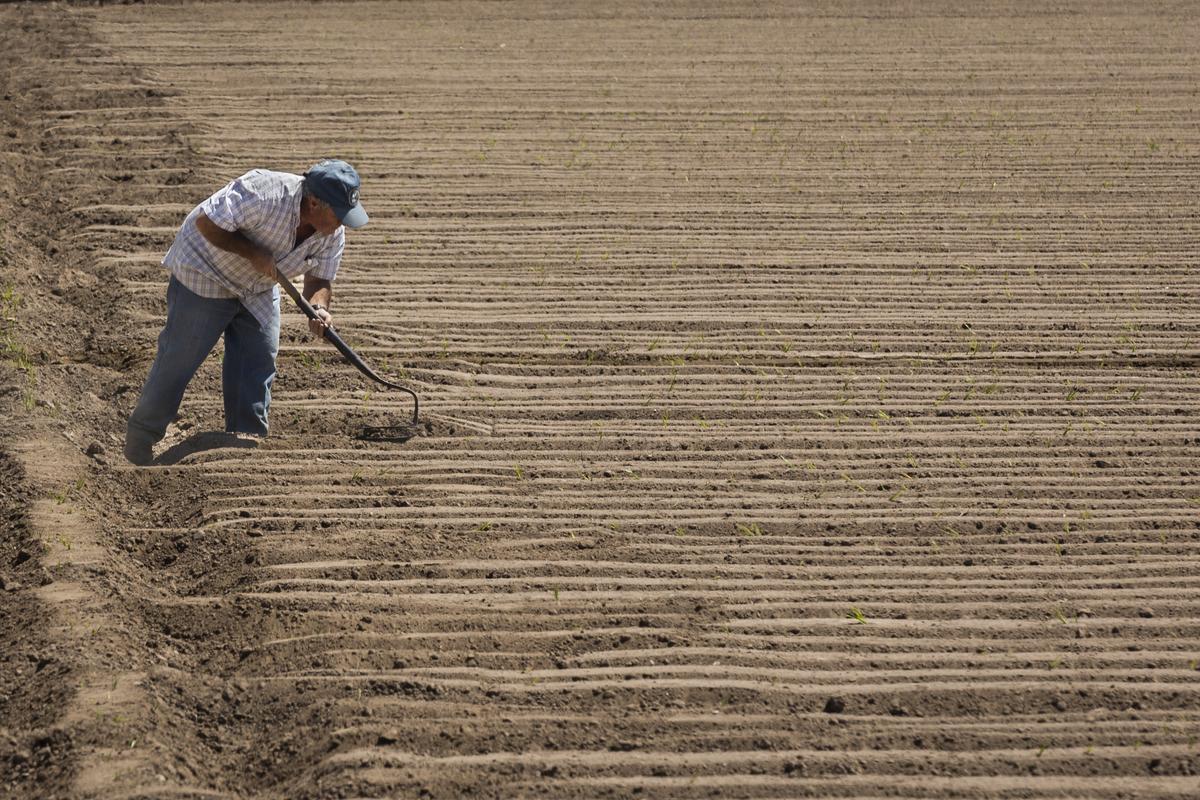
194,324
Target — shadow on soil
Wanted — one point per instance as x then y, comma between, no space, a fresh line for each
202,442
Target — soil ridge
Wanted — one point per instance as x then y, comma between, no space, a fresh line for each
77,718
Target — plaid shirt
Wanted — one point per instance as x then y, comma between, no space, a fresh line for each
265,207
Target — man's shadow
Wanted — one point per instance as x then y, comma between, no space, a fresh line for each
201,442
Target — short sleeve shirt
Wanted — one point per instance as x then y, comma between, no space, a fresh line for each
264,207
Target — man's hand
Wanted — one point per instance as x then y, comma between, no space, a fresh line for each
264,262
319,292
324,320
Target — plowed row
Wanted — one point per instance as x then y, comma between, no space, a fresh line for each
811,395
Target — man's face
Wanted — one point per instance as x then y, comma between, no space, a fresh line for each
321,217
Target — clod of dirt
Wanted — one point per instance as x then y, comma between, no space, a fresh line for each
1145,613
835,705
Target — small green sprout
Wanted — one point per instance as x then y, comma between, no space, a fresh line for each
752,529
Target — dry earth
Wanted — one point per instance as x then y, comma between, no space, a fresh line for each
811,399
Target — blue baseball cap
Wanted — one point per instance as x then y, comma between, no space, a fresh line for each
337,183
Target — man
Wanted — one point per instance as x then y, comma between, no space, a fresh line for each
222,282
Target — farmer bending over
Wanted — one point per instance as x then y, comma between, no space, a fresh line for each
222,282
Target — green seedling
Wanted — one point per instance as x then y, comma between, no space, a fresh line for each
857,615
10,299
484,527
752,529
846,477
65,494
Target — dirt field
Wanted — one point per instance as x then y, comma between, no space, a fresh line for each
811,394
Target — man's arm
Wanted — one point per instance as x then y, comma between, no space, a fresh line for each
234,242
318,291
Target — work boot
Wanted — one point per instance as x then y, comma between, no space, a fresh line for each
138,452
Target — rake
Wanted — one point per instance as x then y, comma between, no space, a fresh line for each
375,432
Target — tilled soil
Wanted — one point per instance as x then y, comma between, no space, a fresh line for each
809,401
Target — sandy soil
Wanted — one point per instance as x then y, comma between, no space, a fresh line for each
811,400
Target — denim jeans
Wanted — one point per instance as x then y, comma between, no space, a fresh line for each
194,324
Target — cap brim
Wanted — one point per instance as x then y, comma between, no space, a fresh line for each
355,217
